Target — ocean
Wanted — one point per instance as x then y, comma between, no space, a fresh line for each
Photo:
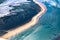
48,26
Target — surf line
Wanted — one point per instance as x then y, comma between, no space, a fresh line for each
27,25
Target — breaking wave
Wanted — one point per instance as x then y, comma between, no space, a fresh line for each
55,3
5,6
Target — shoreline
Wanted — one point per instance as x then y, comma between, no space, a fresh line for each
27,25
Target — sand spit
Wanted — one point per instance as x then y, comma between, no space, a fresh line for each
27,25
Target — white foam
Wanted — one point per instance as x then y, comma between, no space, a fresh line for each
4,10
4,7
51,2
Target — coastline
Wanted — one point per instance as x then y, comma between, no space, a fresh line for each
27,25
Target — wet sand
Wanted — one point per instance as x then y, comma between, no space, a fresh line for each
27,25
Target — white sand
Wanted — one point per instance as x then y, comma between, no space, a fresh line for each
27,25
2,39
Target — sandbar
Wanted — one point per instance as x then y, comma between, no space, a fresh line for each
27,25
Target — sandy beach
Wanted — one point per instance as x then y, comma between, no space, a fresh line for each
27,25
2,39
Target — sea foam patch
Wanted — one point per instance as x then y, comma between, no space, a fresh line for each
4,7
4,10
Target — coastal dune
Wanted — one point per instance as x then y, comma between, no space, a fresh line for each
27,25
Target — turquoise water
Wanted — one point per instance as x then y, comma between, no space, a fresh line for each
48,26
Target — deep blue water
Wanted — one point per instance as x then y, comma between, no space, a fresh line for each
48,26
